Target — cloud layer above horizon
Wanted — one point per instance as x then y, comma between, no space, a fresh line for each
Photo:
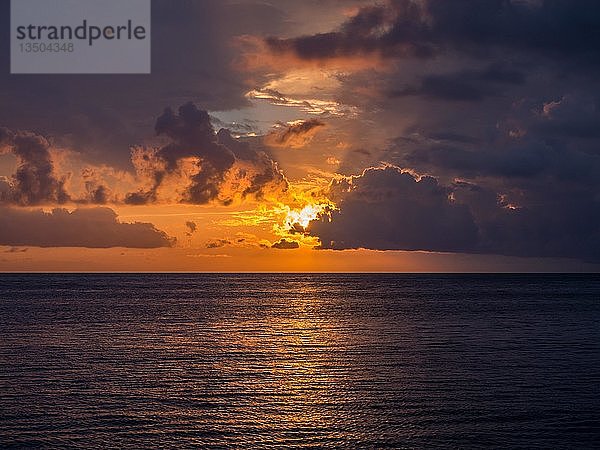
88,227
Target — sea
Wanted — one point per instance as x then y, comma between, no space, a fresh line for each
262,361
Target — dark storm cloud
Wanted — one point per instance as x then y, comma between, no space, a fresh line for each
219,157
35,181
285,244
388,209
93,228
428,27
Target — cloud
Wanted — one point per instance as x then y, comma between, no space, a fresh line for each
386,208
35,181
375,30
200,166
284,244
537,144
196,166
294,135
93,227
426,28
390,209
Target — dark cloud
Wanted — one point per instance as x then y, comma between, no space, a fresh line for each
94,228
35,181
390,209
285,244
295,135
219,168
400,28
362,34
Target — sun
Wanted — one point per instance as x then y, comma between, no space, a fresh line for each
296,218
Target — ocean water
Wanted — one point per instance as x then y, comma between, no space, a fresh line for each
300,361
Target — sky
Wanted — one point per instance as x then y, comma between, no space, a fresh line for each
322,135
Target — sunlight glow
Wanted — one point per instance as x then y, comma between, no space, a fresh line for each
304,216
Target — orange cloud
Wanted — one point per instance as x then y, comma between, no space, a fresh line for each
199,166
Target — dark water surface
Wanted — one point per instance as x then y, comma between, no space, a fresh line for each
300,360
